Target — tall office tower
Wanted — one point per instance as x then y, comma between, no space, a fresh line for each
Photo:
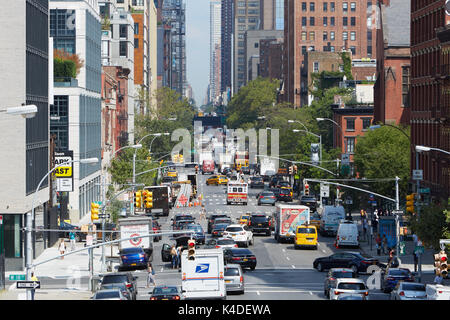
214,49
174,15
24,156
319,25
430,95
272,14
246,17
227,30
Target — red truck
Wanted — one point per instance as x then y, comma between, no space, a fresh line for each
208,166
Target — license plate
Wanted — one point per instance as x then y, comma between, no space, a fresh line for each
233,235
133,264
165,299
245,260
227,281
259,225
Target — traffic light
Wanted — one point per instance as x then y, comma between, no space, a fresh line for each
148,199
306,191
94,211
191,249
138,199
410,202
441,264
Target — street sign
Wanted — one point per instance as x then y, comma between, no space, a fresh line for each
424,190
397,212
418,175
16,277
28,284
325,190
345,158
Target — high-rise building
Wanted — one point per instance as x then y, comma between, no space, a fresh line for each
174,15
227,31
24,158
430,95
76,114
214,49
325,26
272,15
246,17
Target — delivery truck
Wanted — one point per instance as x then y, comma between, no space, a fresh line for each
161,199
203,276
287,217
135,227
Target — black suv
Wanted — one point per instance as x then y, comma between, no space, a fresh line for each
259,223
256,182
309,201
122,277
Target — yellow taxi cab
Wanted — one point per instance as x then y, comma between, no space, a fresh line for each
244,219
172,173
223,180
305,236
216,180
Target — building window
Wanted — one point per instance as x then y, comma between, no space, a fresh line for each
316,66
304,35
332,37
312,6
136,28
123,48
366,123
332,7
350,145
325,6
353,6
325,36
304,48
345,6
332,48
353,50
304,6
350,124
325,21
123,32
303,21
405,85
332,21
369,50
353,21
136,43
345,35
353,36
312,35
311,21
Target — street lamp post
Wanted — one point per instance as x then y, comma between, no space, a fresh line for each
30,217
28,111
331,120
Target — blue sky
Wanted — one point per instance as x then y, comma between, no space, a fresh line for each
197,47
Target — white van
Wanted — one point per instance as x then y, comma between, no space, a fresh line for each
331,216
347,234
437,292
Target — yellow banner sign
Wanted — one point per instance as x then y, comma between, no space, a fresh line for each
63,172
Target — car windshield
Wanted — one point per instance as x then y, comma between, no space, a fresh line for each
107,294
165,290
413,287
223,242
114,279
351,286
307,230
113,286
131,251
231,272
398,272
342,274
258,219
234,229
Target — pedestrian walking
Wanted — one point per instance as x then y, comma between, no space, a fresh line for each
378,244
384,244
150,275
72,240
364,226
33,278
62,248
173,253
179,250
203,213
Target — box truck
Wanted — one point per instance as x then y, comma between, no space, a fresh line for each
134,227
287,218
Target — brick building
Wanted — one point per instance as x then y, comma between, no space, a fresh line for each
393,63
271,58
430,87
325,26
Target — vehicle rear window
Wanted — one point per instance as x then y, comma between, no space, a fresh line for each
231,272
131,250
351,286
413,287
114,279
184,218
259,219
342,274
307,230
268,194
167,290
398,272
257,179
285,191
225,241
220,226
234,229
107,294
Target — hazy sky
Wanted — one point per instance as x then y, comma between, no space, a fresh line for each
197,47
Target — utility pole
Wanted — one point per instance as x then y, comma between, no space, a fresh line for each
103,220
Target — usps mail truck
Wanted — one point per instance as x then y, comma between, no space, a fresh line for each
202,277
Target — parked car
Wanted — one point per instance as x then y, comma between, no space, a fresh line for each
199,234
65,229
357,261
266,197
122,277
218,229
109,294
353,286
132,259
305,236
393,275
259,223
121,286
239,233
256,182
244,257
234,278
166,293
333,275
409,291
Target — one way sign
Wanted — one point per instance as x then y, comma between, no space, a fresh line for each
28,285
